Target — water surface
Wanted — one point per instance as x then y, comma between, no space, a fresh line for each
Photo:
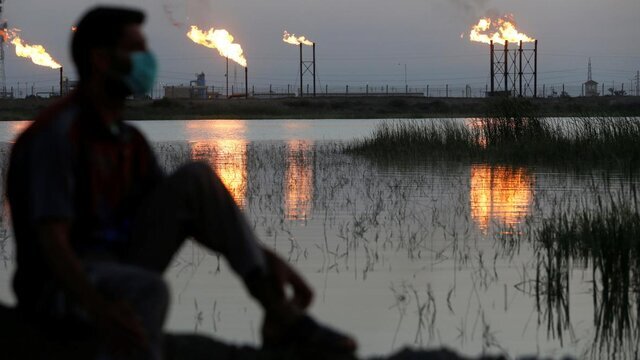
419,253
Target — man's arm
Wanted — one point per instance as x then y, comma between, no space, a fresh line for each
115,320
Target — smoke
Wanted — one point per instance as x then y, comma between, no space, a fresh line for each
472,10
180,12
199,11
169,11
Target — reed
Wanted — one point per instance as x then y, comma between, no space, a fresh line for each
511,134
606,241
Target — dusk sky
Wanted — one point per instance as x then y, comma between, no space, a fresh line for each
359,41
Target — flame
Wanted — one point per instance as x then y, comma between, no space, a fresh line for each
293,40
298,181
221,40
499,194
37,53
499,31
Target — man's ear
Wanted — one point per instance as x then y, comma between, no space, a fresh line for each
100,60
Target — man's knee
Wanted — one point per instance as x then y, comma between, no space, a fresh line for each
146,290
154,292
197,169
195,174
199,176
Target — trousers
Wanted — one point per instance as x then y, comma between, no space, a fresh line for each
193,203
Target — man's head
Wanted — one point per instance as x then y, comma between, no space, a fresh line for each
108,46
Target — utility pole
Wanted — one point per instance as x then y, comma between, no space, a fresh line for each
406,84
638,83
506,67
3,28
227,76
314,69
301,72
492,69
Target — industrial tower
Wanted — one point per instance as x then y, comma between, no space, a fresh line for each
590,88
3,29
514,70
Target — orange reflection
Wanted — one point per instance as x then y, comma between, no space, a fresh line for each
298,181
209,129
229,159
17,127
499,194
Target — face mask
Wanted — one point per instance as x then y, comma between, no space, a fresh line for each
142,76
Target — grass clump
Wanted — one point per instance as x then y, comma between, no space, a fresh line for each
512,133
416,138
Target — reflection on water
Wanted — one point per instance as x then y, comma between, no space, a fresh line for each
229,159
220,129
298,194
225,149
17,127
499,194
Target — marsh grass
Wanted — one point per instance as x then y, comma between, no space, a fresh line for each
605,240
511,133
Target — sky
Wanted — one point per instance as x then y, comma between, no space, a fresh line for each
359,42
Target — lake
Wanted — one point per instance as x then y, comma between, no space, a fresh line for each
420,253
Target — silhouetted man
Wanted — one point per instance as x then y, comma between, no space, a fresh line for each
97,222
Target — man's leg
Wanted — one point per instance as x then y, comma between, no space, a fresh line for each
193,202
144,290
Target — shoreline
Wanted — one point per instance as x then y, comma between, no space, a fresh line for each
354,107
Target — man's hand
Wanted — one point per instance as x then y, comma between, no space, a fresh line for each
285,276
116,321
285,323
121,328
270,288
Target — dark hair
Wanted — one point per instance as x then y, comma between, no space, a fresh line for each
100,27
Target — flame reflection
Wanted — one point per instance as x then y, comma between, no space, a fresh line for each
298,181
18,127
229,160
499,194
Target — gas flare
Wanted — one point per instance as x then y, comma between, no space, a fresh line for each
221,40
36,53
499,31
296,40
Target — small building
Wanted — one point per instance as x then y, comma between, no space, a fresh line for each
68,86
177,92
197,89
591,88
199,86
